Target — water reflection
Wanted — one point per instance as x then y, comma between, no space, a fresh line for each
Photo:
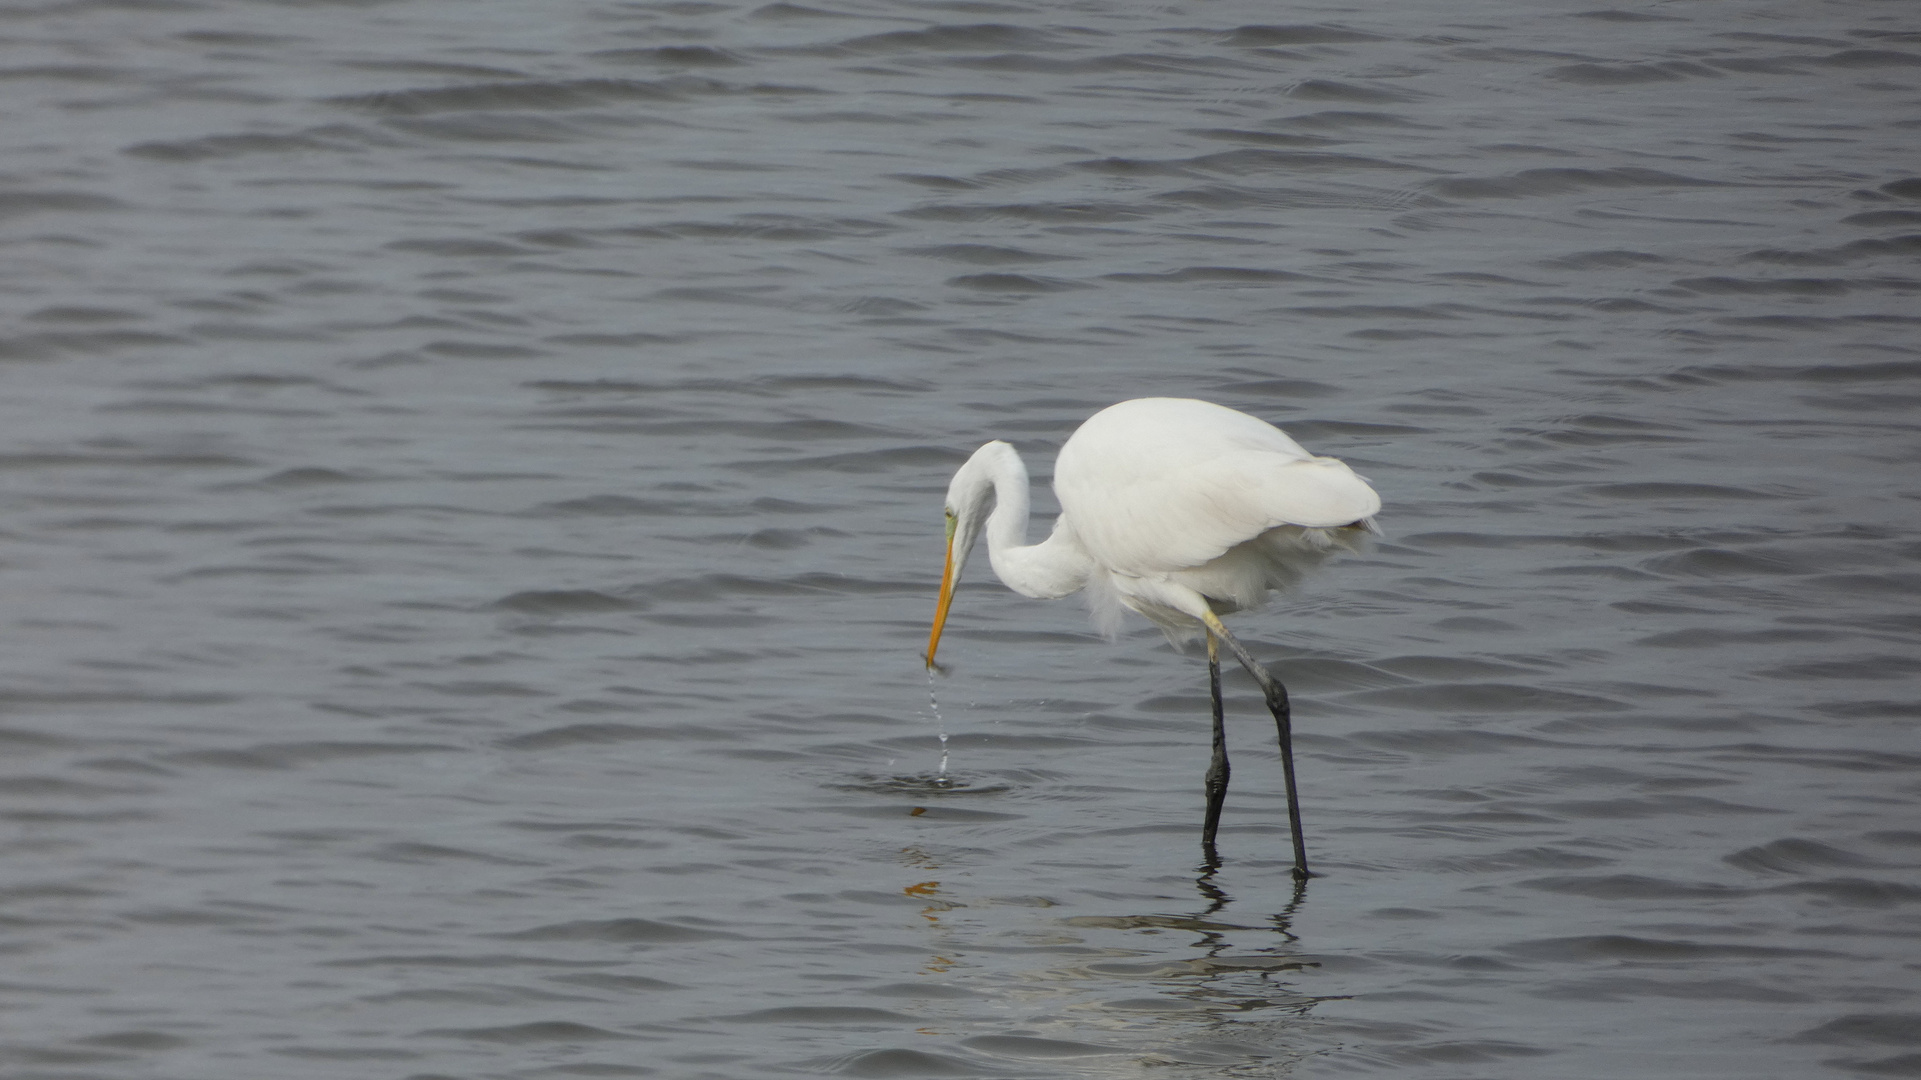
1192,987
922,785
449,539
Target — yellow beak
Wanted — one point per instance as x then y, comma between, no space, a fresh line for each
947,584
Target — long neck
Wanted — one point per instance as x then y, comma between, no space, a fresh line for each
1052,568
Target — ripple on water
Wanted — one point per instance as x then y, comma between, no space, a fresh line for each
888,1064
1634,887
1867,1029
1629,74
566,602
850,1015
1560,181
536,1033
625,931
601,733
922,784
1483,697
1624,949
493,622
1031,1048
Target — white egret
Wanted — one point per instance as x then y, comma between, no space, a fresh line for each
1181,510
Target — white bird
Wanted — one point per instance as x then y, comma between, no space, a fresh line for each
1181,510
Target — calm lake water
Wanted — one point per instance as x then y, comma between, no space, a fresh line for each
470,506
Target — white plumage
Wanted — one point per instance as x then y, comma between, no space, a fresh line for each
1168,506
1179,509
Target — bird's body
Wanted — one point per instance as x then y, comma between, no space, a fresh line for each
1168,505
1179,509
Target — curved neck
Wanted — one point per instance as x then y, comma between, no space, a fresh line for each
1055,566
1007,525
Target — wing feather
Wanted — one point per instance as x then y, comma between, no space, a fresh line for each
1163,484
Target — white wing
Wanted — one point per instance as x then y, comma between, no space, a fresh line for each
1162,484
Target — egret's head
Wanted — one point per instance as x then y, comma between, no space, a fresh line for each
966,512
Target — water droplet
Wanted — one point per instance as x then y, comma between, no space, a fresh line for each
940,722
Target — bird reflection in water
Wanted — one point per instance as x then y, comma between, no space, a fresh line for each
1162,987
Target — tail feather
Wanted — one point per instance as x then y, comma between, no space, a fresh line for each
1104,604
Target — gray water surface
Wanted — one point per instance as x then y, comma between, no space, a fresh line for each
470,483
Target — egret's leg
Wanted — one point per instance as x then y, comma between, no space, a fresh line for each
1217,771
1276,695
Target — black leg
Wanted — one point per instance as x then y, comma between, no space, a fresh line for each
1276,696
1217,770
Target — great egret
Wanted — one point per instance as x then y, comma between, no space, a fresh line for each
1181,510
